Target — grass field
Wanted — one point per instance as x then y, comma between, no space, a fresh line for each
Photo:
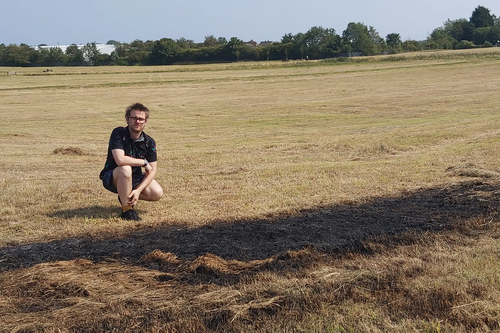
357,196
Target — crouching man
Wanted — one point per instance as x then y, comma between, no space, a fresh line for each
129,151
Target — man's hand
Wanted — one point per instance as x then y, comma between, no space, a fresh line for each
133,197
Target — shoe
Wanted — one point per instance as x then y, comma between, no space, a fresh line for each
131,214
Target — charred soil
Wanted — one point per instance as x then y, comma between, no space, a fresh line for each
256,275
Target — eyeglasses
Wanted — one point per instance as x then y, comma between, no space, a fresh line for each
136,119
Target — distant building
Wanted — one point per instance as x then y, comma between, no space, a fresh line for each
251,43
102,48
265,43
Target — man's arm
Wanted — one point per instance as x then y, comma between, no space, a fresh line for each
121,159
150,169
150,175
134,196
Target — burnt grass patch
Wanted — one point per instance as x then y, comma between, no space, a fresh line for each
214,267
334,229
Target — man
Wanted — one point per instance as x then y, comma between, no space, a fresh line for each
130,150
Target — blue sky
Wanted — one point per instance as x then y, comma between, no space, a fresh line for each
63,22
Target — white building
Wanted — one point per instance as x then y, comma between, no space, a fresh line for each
102,48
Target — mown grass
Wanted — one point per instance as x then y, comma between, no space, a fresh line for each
249,142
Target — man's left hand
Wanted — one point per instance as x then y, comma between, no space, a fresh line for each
133,197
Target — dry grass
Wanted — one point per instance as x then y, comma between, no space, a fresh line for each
435,282
282,184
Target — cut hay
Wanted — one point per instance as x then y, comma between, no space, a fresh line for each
163,257
471,170
75,151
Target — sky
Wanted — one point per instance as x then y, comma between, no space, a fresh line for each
63,22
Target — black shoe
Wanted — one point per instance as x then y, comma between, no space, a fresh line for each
131,214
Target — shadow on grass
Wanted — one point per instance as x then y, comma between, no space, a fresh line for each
93,212
329,228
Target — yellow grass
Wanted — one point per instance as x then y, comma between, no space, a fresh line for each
242,144
251,142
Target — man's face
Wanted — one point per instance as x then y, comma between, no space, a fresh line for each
137,120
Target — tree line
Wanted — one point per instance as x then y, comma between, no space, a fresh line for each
482,29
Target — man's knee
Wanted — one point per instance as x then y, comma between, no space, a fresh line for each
124,171
154,192
157,193
160,193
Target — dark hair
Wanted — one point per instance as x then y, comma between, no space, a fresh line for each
137,107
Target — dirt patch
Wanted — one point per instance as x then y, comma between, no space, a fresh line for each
75,151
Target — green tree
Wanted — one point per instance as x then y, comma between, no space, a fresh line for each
330,46
481,17
56,56
465,44
440,39
412,46
480,35
210,41
103,60
138,58
287,38
493,35
20,55
184,43
91,53
115,60
234,48
378,42
394,42
276,51
121,54
74,56
138,45
295,45
320,42
358,37
42,57
300,44
248,52
486,36
163,52
138,52
285,48
122,50
3,52
460,29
